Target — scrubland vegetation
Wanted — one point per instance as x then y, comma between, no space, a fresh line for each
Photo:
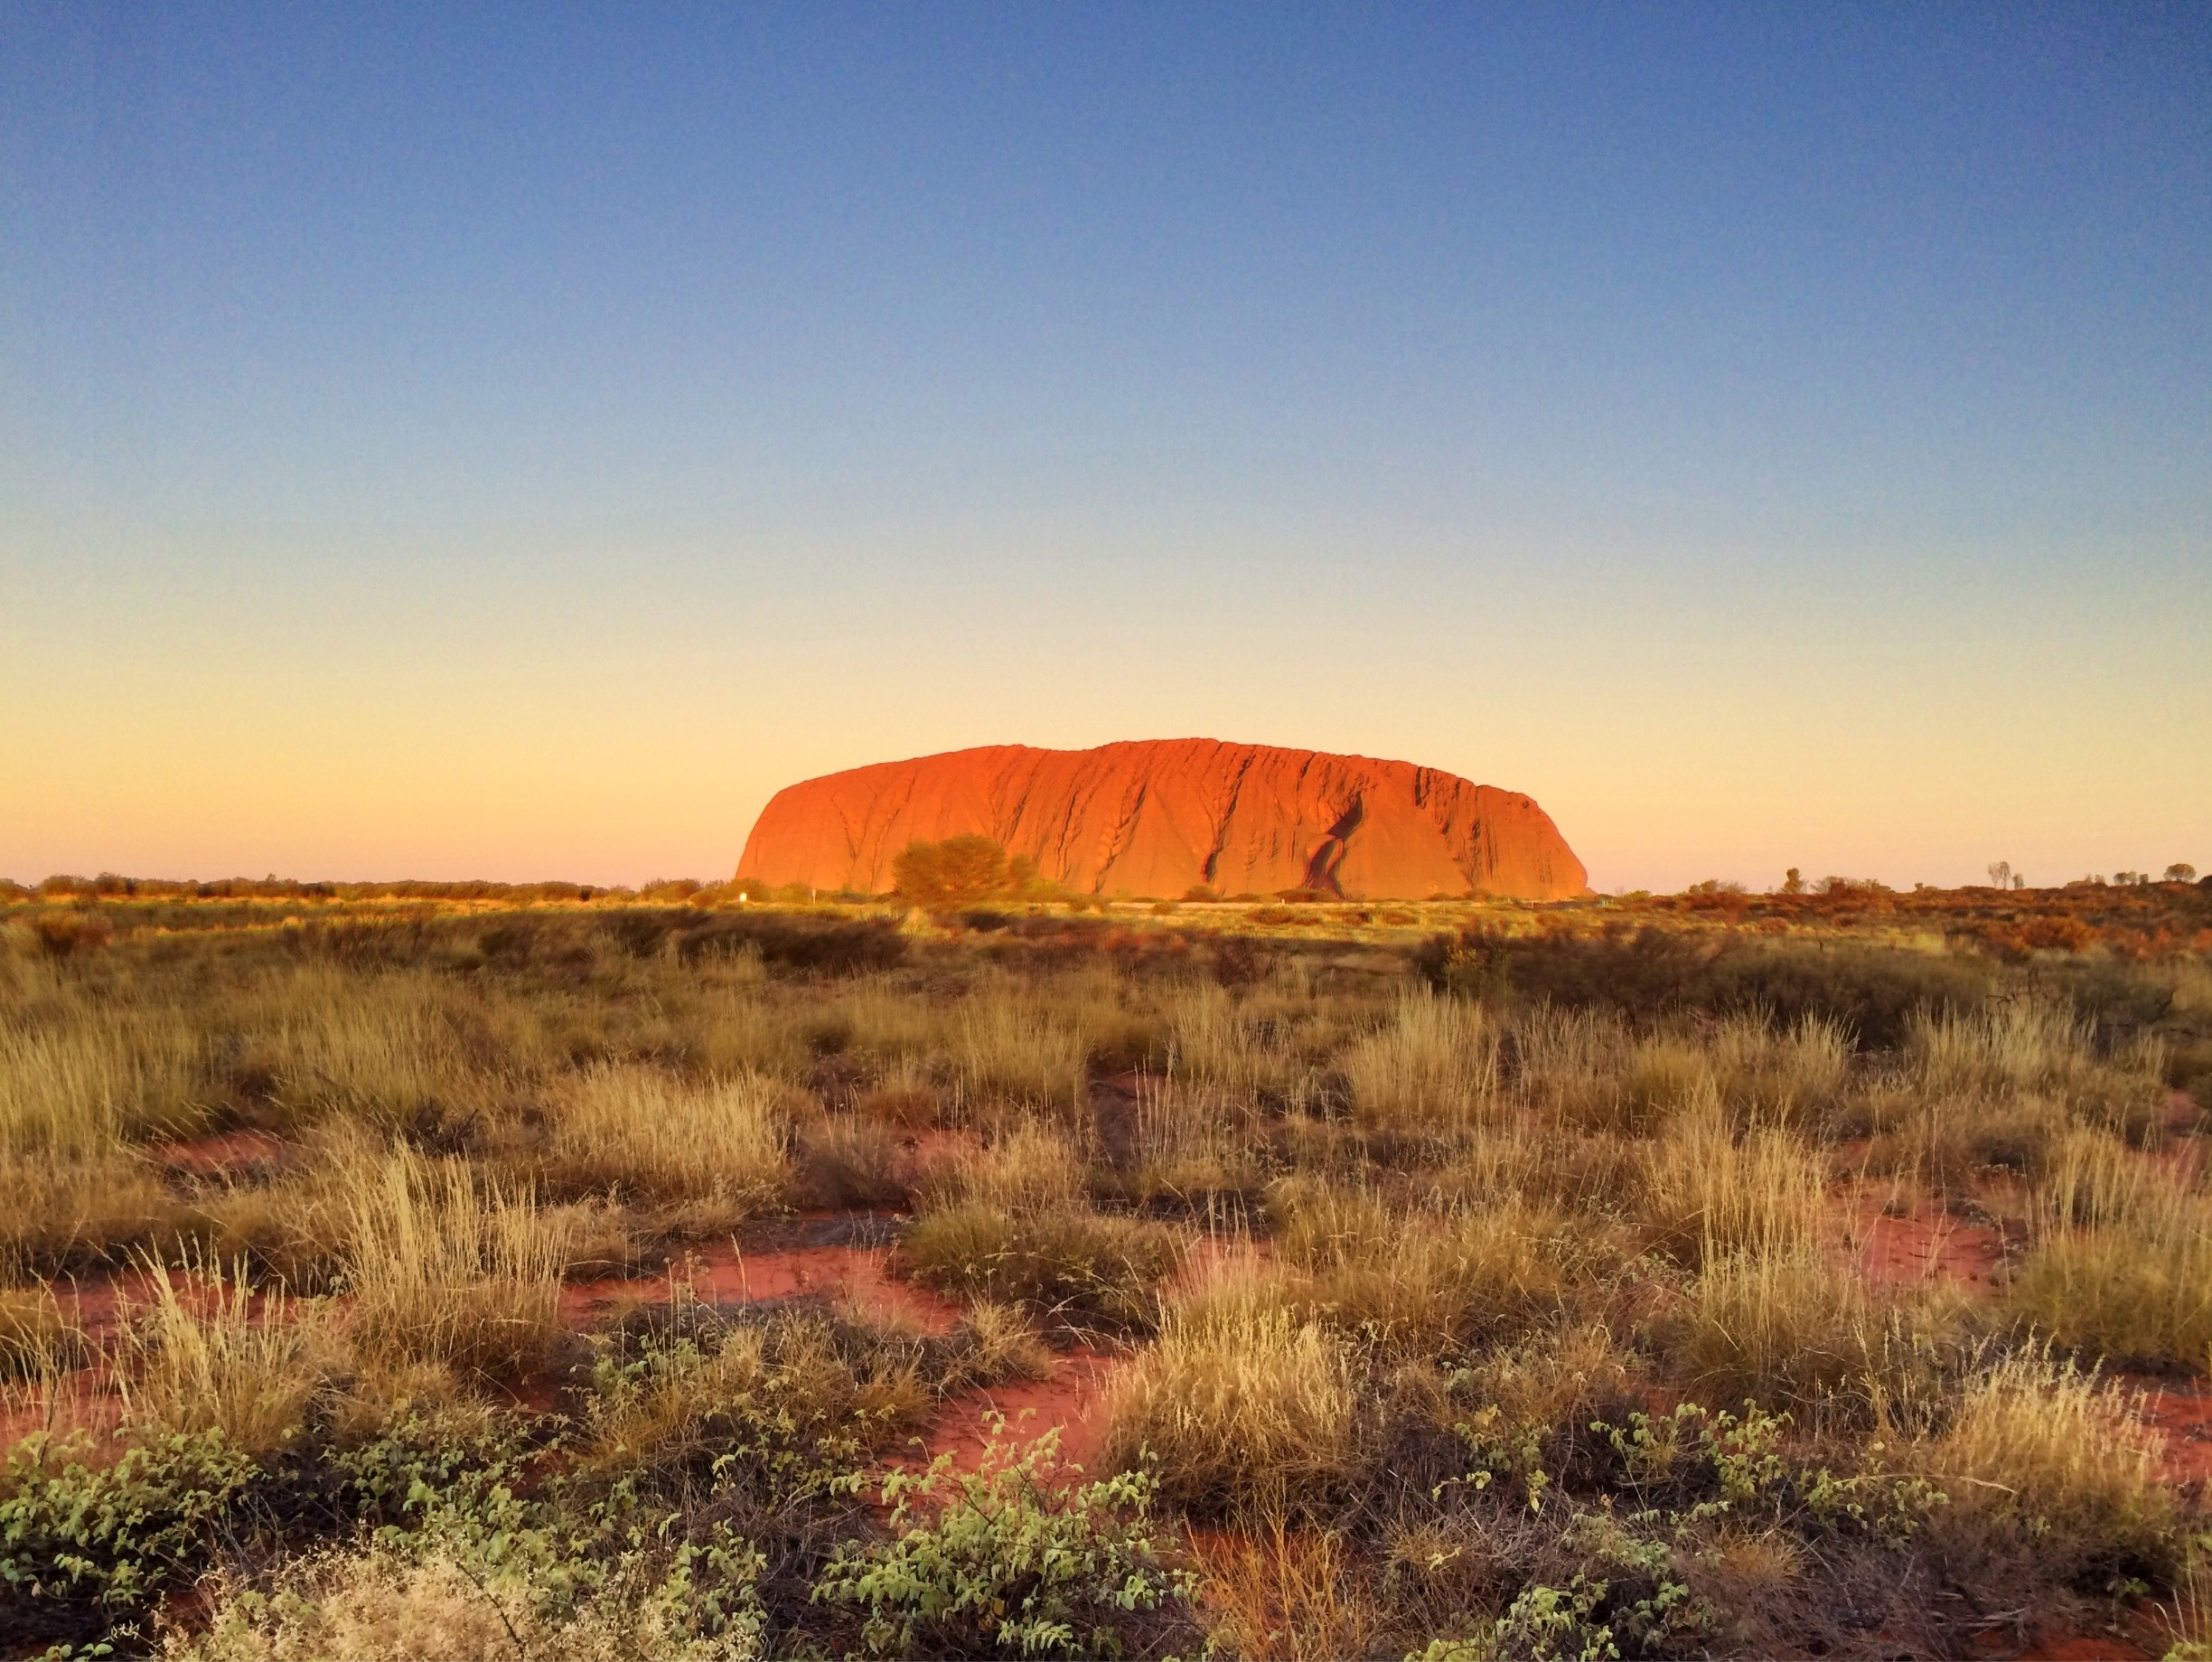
1464,1280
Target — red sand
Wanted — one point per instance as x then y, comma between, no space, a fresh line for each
1928,1246
855,1278
1070,1398
2182,1414
224,1151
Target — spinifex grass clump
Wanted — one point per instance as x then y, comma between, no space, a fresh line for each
1704,1188
89,1076
1422,1280
1432,1067
712,1154
1013,1225
1244,1405
2122,1267
444,1269
209,1355
2049,1471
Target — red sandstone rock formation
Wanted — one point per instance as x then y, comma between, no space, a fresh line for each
1162,816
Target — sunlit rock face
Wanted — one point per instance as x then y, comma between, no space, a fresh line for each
1159,817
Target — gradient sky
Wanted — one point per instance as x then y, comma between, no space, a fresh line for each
467,441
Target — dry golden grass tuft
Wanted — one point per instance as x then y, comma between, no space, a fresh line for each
2122,1267
2042,1457
445,1271
1194,1140
1009,1050
715,1154
90,1078
1432,1067
78,1212
1704,1189
209,1355
1280,1594
1421,1280
1774,1323
1245,1406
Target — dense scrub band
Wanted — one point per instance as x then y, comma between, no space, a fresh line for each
1489,1281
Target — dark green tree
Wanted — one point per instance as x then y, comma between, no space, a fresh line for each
943,877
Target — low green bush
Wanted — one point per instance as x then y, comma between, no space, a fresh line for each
999,1561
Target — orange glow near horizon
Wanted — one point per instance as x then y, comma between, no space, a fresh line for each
1668,743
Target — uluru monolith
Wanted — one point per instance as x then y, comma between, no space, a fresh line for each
1160,817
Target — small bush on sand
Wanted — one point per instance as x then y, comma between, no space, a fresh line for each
90,1538
1004,1561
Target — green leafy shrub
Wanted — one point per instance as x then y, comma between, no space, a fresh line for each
84,1547
997,1562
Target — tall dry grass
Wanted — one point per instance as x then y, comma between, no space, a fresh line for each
1195,1139
446,1271
66,1213
1419,1280
378,1047
2122,1265
1777,1322
209,1354
1009,1050
1704,1189
1270,1043
2036,1059
716,1151
74,1087
1770,1076
1571,1065
1279,1594
2043,1457
1013,1224
1245,1406
1432,1067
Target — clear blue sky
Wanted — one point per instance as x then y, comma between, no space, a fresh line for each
456,441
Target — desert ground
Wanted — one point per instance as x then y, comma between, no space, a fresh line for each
713,1271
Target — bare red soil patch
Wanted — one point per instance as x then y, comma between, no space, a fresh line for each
224,1151
856,1278
1926,1245
2182,1416
1071,1398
